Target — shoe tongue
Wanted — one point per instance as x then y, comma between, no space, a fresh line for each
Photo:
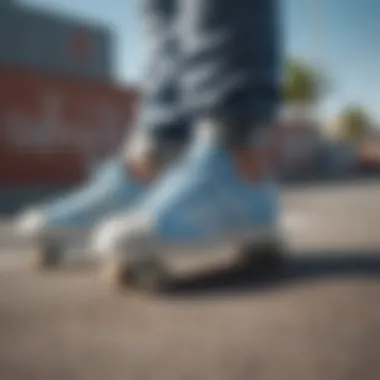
208,150
160,150
211,140
231,135
208,133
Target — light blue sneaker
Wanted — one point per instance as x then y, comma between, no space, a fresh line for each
200,206
70,217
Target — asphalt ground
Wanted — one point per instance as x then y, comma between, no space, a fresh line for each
318,319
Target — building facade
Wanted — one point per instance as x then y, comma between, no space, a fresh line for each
41,41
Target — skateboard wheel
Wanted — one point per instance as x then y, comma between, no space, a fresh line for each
148,276
268,256
47,256
118,275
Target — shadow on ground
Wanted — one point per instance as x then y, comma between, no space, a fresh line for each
312,266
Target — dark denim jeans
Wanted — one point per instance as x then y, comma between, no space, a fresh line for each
216,58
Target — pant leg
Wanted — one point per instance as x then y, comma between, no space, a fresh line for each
160,112
232,60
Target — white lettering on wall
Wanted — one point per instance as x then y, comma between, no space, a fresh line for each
49,131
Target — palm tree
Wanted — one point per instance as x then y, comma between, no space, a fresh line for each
353,123
303,87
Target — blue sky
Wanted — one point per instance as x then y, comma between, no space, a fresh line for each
342,35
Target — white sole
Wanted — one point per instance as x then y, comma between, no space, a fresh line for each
188,257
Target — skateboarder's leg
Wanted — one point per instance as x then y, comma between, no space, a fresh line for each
220,192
